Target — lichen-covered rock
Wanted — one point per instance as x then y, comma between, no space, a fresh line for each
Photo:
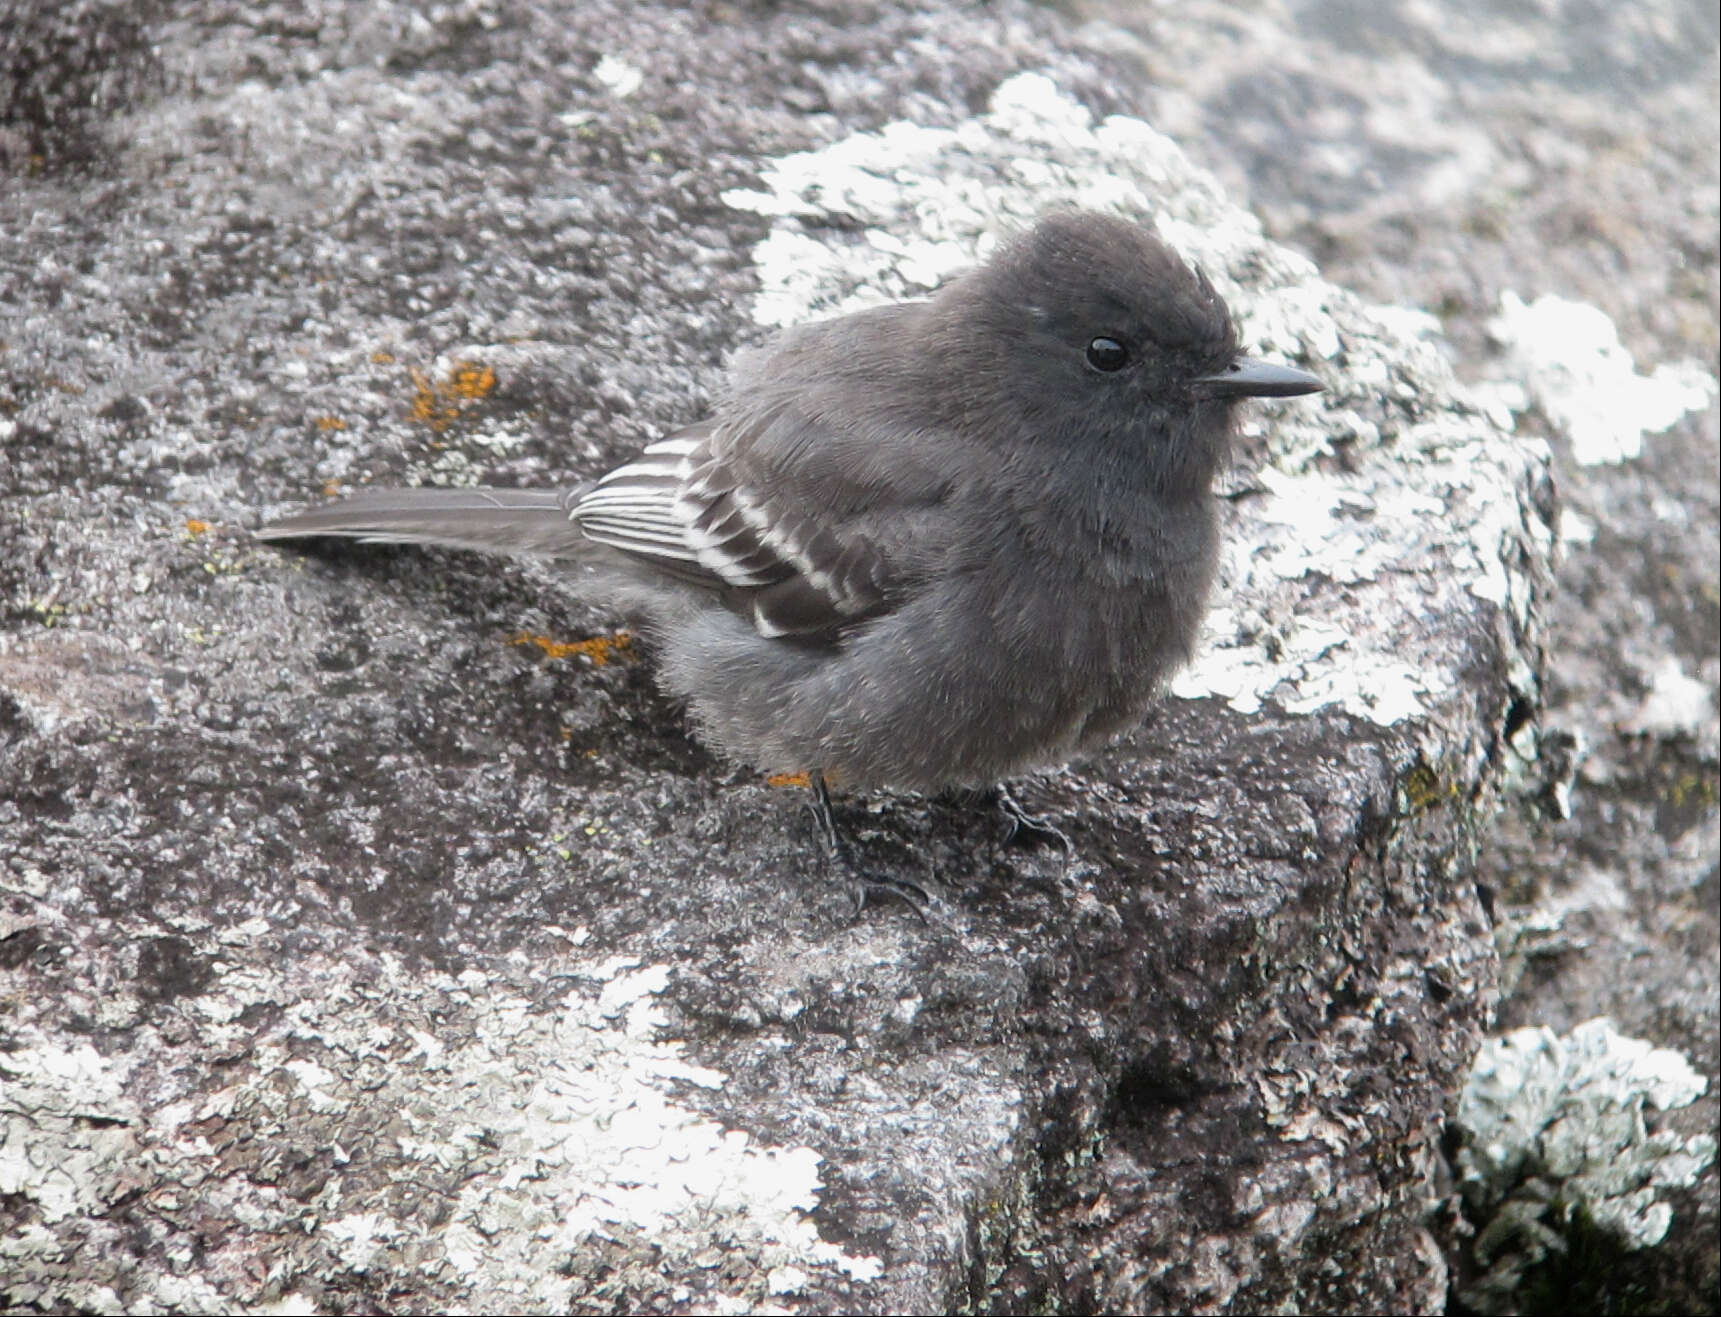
358,956
1556,1144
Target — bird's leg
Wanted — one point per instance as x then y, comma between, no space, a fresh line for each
1030,829
825,815
838,850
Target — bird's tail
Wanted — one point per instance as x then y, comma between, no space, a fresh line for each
489,520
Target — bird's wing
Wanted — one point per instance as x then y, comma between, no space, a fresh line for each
637,507
759,508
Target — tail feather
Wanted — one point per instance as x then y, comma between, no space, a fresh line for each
489,520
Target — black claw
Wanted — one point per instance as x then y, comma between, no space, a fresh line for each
911,894
1029,829
839,853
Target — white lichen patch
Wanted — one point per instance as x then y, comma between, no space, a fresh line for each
1331,583
1565,358
1555,1126
922,203
622,78
1677,704
545,1130
67,1128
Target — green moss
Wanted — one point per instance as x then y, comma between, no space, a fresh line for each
1423,790
1596,1272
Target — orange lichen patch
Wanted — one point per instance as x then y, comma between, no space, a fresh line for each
330,423
470,379
195,527
599,649
382,358
788,780
436,403
429,405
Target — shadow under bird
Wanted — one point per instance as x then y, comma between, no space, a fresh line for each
921,546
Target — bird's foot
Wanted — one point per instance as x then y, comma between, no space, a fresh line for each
1023,828
840,853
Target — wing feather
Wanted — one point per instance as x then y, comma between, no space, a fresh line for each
685,504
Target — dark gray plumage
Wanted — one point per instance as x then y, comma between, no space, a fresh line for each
926,545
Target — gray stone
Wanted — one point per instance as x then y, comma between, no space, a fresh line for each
358,955
1456,157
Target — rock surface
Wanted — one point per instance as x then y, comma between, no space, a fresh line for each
1464,157
358,956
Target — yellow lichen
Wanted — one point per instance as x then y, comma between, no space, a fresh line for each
429,406
471,379
1423,791
599,649
437,403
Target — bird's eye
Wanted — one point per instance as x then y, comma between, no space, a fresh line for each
1107,354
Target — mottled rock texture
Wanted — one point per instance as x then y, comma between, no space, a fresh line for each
359,956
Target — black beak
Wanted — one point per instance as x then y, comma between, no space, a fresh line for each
1249,377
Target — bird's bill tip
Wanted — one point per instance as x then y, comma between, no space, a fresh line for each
1250,377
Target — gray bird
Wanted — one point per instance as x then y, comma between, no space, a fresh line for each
922,546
